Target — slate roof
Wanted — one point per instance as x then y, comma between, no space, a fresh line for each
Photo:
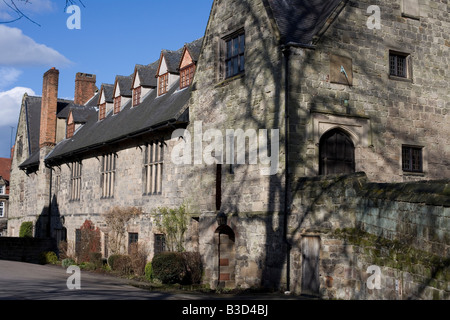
172,59
125,83
300,20
147,74
195,48
151,114
108,89
33,118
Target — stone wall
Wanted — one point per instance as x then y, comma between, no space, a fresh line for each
400,227
25,249
381,113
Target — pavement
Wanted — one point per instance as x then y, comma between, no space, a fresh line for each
23,281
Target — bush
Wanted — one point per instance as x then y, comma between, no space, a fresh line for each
65,263
26,230
49,257
169,267
194,267
96,259
149,271
120,263
138,257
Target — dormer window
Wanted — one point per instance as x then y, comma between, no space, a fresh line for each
136,96
117,102
163,84
102,111
186,76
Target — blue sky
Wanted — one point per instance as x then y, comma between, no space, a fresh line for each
115,35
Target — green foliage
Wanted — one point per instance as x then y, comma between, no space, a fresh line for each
49,257
169,267
177,267
65,263
120,263
173,223
149,271
26,230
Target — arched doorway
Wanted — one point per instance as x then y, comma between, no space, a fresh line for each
226,255
337,153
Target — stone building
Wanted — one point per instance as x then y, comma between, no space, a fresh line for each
306,123
5,168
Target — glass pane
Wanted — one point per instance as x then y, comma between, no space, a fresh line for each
241,43
229,53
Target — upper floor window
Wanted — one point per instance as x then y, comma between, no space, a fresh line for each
75,181
153,168
102,111
186,76
136,96
108,174
117,103
2,209
163,84
399,65
412,159
3,189
235,54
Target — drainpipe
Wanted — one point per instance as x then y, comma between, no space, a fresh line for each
286,52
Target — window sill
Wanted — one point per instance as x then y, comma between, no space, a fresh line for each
400,79
230,79
409,16
414,174
152,194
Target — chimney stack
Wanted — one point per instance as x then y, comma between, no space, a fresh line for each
49,108
84,87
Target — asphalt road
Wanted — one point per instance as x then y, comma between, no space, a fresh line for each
22,281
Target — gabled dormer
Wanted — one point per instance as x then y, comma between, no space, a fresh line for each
188,62
105,100
168,73
78,116
144,81
122,92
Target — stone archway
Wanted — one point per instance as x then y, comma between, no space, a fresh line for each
226,257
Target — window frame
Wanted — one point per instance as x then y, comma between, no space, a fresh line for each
2,209
108,175
187,76
159,244
230,55
117,104
133,238
76,169
407,68
137,96
102,111
410,168
153,168
163,84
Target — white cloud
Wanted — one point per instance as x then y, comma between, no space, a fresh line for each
20,50
8,76
10,103
7,11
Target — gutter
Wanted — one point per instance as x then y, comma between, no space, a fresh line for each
286,50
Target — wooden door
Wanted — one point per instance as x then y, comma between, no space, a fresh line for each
310,246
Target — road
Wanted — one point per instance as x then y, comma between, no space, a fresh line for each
22,281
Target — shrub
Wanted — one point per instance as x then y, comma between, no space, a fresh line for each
120,263
169,267
138,256
62,248
49,257
96,258
149,271
194,267
26,230
65,263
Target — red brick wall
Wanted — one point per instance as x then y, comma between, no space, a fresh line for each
84,87
49,108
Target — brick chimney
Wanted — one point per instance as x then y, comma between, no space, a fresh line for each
84,87
49,108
